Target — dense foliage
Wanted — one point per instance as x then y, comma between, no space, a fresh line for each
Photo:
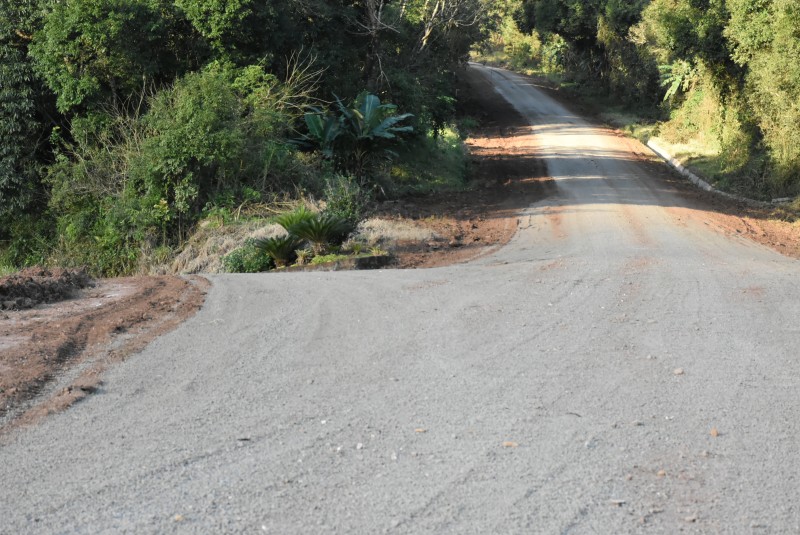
124,122
725,71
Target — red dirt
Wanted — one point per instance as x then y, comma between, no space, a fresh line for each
81,336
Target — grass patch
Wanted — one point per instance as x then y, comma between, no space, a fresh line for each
431,163
206,248
328,258
6,270
710,163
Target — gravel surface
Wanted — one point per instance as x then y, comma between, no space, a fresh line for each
619,367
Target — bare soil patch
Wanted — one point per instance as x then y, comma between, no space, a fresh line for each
53,354
34,286
775,227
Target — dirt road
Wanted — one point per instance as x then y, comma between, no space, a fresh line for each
621,366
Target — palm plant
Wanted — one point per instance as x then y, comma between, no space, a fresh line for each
289,220
368,119
303,256
323,129
281,249
353,137
323,231
365,124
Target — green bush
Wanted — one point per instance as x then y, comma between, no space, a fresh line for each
247,259
197,142
345,198
31,243
205,147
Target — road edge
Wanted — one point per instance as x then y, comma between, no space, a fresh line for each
704,185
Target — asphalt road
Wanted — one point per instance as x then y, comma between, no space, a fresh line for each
617,368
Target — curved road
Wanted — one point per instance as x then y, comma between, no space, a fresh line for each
617,368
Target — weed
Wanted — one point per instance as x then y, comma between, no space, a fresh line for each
354,246
304,256
327,259
345,198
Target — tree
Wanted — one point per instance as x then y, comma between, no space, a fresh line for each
599,48
91,51
21,106
765,40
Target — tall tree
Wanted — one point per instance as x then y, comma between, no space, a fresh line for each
22,108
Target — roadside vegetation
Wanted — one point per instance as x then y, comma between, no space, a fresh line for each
144,136
135,132
717,82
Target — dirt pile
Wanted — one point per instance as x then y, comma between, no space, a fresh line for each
36,285
53,355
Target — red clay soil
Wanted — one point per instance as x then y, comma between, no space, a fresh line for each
53,355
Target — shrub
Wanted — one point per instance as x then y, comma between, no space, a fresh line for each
247,259
31,242
345,199
197,142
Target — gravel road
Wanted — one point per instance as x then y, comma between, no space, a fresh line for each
619,367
